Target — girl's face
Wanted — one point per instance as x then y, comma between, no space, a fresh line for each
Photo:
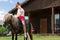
17,5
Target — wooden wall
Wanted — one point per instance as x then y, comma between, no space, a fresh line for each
35,18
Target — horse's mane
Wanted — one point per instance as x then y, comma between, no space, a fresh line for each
10,17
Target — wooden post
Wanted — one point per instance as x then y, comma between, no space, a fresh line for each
52,20
29,15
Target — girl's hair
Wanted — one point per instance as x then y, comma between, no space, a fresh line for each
18,3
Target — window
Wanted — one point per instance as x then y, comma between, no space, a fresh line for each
57,27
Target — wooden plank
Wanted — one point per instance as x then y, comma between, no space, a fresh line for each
43,25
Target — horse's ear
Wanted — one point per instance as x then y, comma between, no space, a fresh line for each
11,15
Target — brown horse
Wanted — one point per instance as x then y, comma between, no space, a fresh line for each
15,27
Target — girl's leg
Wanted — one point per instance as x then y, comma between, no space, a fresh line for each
24,27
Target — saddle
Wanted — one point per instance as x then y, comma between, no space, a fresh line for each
20,25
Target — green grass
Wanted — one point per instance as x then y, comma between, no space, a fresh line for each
35,37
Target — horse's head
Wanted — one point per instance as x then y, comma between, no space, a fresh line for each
7,19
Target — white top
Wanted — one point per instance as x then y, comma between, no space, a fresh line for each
20,12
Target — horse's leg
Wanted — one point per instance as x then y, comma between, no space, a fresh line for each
12,36
16,37
30,32
25,38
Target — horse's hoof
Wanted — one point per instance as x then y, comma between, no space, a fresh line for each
25,38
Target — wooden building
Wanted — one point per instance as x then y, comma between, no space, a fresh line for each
41,14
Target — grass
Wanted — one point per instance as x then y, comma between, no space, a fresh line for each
35,37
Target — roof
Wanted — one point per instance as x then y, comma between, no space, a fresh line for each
39,4
54,4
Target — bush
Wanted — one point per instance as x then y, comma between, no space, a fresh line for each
2,29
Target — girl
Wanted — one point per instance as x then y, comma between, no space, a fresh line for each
20,15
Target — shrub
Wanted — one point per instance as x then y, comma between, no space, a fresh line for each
2,29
